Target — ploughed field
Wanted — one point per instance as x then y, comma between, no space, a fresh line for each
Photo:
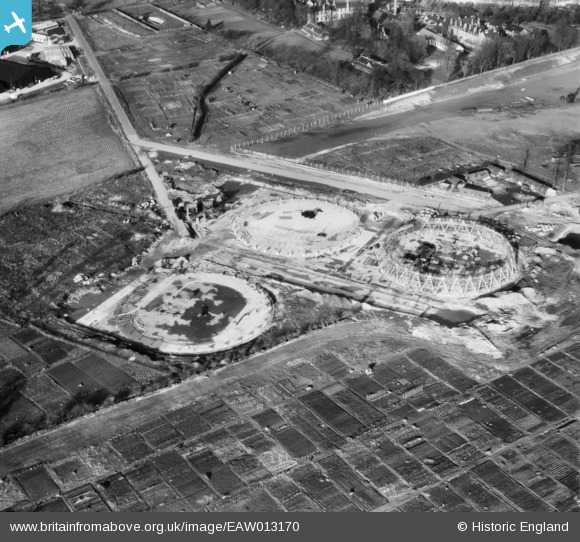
57,144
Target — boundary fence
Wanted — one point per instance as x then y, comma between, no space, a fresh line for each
311,124
484,197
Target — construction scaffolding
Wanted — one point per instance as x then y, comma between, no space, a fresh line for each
463,279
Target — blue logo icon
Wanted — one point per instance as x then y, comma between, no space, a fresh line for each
15,22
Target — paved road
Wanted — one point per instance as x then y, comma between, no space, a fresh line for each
130,133
305,174
293,172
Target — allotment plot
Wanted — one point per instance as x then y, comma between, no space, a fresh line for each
56,145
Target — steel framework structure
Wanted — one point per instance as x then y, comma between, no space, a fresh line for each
455,283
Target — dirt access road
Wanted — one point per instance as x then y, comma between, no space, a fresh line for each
281,169
325,138
130,133
394,120
107,423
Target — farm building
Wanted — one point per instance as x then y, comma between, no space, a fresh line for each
15,75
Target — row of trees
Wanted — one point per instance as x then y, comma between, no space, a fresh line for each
400,75
501,51
494,53
500,14
403,50
555,30
42,9
564,36
337,72
355,34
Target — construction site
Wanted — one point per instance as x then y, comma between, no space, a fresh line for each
188,314
297,227
209,295
195,305
375,314
450,258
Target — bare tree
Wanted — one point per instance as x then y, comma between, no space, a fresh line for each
493,53
539,44
565,36
448,62
465,66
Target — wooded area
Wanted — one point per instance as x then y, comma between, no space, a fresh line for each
497,15
398,49
285,13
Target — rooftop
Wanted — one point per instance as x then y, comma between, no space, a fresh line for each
14,73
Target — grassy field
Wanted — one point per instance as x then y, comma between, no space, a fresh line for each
255,33
301,42
55,145
228,19
144,12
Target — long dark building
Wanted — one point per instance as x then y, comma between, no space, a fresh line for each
17,75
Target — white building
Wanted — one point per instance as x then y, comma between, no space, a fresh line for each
40,38
471,32
436,40
366,64
316,31
153,19
45,26
324,11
